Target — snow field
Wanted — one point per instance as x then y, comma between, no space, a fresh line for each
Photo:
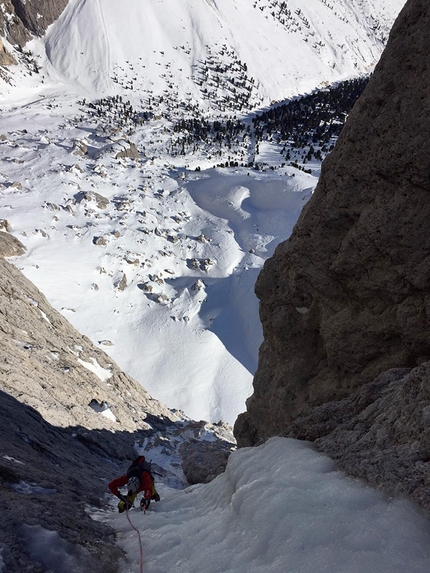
278,508
154,263
103,47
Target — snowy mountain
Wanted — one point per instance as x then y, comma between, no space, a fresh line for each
196,45
130,231
218,53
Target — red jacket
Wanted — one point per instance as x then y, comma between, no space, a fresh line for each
145,485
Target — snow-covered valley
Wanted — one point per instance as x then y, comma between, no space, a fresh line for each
154,262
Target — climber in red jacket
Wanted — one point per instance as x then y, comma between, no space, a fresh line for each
137,479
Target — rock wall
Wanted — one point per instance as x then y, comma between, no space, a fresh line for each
37,15
21,18
47,364
348,295
380,433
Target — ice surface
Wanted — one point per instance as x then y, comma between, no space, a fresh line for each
281,507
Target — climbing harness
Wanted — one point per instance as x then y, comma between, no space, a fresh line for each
140,540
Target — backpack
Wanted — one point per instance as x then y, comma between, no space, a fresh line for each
138,466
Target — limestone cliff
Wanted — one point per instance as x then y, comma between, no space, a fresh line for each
19,19
68,421
348,295
47,364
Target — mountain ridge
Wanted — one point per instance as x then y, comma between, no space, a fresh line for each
107,50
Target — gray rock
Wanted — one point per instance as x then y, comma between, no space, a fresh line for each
48,476
126,149
381,433
4,224
203,460
100,241
6,59
348,295
59,451
19,19
14,29
37,15
80,148
122,283
10,246
91,196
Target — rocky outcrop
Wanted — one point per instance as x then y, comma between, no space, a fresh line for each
6,59
348,295
126,150
37,15
47,364
11,27
10,246
380,433
21,18
204,459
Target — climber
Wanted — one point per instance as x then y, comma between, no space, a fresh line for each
137,479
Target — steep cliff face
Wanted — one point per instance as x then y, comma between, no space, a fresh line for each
37,15
48,365
21,18
348,295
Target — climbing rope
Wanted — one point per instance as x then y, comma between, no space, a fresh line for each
140,540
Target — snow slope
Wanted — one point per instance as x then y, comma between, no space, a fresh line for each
93,42
187,246
279,507
168,47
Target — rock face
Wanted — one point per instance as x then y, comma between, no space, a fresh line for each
21,18
5,58
10,246
203,460
69,419
48,476
37,15
380,433
347,297
47,364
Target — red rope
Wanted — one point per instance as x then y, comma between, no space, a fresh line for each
140,541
